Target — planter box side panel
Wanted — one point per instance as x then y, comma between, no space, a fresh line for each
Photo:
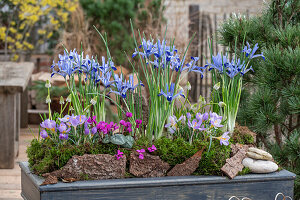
253,190
29,190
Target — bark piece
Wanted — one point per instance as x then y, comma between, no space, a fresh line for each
150,166
236,147
92,167
234,164
187,167
50,180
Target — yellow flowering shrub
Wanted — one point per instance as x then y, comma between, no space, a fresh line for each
24,16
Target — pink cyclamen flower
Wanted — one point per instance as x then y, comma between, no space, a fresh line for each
43,134
138,123
152,149
122,122
119,154
141,155
128,114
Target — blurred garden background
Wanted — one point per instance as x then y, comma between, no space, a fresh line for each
38,30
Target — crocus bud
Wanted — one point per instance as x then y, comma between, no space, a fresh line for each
48,99
61,100
188,86
222,104
48,84
217,86
69,98
93,101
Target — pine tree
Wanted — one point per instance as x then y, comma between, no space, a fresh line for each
270,105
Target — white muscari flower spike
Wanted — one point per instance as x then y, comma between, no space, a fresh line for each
48,99
217,86
48,84
69,98
93,101
61,100
222,104
188,86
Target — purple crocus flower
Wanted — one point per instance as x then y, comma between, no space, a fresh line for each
119,154
215,120
48,124
63,136
94,130
86,131
152,149
81,119
196,125
63,128
43,134
65,119
73,121
202,117
170,93
188,115
172,125
224,139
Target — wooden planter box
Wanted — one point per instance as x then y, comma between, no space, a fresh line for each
253,186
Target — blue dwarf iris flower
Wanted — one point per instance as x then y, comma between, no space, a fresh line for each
170,93
250,52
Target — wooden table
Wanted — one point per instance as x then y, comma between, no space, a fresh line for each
14,78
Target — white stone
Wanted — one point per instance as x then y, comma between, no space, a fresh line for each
258,154
260,166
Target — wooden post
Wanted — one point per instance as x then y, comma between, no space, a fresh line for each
14,78
24,108
8,129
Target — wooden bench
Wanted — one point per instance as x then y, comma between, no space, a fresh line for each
14,78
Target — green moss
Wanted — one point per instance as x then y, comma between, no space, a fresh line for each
242,135
45,156
213,160
176,151
246,170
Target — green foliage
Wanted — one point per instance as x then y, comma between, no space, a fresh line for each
288,156
246,170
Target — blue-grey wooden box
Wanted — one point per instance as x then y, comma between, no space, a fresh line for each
253,186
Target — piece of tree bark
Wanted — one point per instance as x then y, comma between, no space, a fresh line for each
234,164
91,167
150,166
187,167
